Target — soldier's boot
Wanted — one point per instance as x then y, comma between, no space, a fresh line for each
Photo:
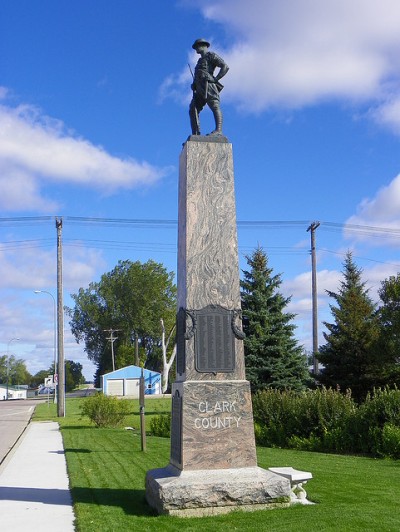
218,120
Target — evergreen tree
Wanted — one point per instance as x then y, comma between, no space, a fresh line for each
272,357
389,320
348,357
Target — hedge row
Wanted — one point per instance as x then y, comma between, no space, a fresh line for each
326,420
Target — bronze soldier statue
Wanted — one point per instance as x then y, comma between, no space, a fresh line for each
206,87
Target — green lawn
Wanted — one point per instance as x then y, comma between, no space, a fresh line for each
107,470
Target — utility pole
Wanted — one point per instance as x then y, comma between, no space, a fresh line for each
60,324
142,418
312,228
112,339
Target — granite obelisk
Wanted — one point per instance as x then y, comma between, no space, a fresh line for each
213,467
217,422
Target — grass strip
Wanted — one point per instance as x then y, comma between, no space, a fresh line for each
107,471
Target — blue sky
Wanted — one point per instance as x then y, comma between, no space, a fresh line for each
94,110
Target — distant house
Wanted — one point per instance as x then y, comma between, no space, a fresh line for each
125,382
14,392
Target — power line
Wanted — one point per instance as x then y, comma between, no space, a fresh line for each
168,223
119,244
26,219
143,222
271,223
342,254
14,244
81,220
159,247
361,229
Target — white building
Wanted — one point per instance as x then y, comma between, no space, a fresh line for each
14,392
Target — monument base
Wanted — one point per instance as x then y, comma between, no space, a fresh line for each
212,426
214,491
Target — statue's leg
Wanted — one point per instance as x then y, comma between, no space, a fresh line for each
216,110
194,118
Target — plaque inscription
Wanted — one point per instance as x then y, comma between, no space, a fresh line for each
214,340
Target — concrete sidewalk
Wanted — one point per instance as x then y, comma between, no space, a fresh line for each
34,486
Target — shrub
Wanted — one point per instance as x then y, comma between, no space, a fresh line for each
312,443
380,409
274,414
383,406
161,425
105,411
315,419
329,421
390,441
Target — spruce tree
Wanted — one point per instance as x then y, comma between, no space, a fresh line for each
272,356
348,357
388,351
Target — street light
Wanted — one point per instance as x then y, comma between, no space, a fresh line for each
8,362
55,335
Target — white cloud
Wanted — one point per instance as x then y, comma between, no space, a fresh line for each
26,269
388,114
33,268
292,53
39,351
384,207
301,304
374,275
300,286
30,317
20,190
36,149
383,211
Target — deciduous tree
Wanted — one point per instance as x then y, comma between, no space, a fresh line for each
73,375
132,299
40,377
167,361
16,370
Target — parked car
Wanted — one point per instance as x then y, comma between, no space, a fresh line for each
46,391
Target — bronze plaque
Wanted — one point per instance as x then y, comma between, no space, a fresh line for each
214,340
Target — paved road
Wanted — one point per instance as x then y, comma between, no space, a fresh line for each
82,393
14,417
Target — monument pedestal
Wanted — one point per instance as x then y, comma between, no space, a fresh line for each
214,491
213,466
216,431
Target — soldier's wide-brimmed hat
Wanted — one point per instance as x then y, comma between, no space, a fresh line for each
200,42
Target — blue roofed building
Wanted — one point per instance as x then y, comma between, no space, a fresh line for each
125,382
